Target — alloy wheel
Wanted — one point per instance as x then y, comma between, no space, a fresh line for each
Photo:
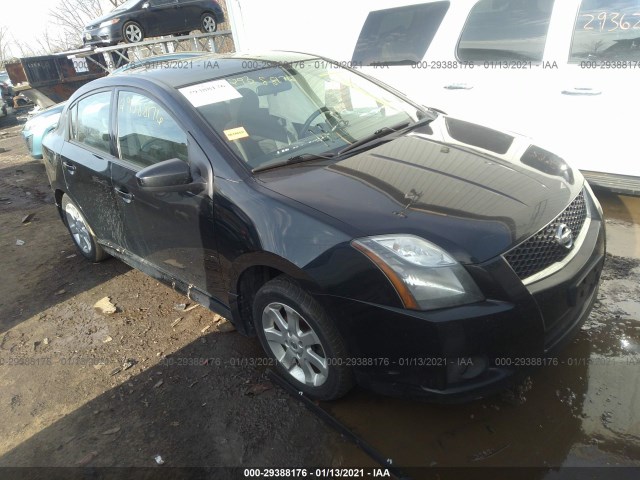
78,228
133,33
209,24
295,344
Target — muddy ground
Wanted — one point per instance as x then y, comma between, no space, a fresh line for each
163,376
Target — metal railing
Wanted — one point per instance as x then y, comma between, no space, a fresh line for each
122,54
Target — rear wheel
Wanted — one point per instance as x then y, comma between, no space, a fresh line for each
298,334
208,24
81,232
132,32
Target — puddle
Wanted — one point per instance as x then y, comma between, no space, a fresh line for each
623,224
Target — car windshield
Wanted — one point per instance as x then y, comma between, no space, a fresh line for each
272,114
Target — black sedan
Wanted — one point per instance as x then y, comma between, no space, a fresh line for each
361,237
136,19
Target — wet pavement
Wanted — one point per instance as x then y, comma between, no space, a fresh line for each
582,412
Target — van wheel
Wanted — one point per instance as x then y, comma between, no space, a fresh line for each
299,336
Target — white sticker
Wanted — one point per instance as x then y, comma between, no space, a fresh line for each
80,65
210,92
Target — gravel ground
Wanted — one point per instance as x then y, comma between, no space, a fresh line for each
159,376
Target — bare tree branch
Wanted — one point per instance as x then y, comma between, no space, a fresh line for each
4,45
72,16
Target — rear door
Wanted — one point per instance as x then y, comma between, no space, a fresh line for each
171,230
596,93
482,59
86,159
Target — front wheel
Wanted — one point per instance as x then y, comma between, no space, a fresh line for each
208,24
297,333
132,32
81,232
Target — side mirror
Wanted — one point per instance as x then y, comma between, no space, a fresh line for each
172,175
144,5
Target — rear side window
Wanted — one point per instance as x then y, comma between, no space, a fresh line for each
607,30
398,36
506,30
90,122
147,134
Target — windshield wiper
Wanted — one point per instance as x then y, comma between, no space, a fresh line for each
305,157
384,131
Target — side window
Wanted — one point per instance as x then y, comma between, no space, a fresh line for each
146,132
607,30
506,30
398,36
90,121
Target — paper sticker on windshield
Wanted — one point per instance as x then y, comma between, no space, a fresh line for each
210,92
236,133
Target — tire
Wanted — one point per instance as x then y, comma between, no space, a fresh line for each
132,32
81,233
208,23
297,333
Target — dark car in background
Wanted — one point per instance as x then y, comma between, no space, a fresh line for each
135,20
362,237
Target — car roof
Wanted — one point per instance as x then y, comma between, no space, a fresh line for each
212,66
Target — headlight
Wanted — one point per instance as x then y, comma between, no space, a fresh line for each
425,276
594,199
109,22
42,122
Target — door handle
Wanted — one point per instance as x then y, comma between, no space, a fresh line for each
458,86
71,168
124,195
582,91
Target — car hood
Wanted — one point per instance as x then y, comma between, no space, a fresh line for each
474,191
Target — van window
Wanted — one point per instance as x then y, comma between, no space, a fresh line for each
607,30
506,30
398,36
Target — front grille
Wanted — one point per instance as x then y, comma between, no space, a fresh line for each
542,250
29,141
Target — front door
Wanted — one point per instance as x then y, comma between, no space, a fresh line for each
162,17
173,231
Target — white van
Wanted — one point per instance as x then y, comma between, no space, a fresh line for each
564,72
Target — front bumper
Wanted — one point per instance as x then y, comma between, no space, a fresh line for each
462,353
28,139
102,36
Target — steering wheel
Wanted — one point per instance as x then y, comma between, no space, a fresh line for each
329,114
